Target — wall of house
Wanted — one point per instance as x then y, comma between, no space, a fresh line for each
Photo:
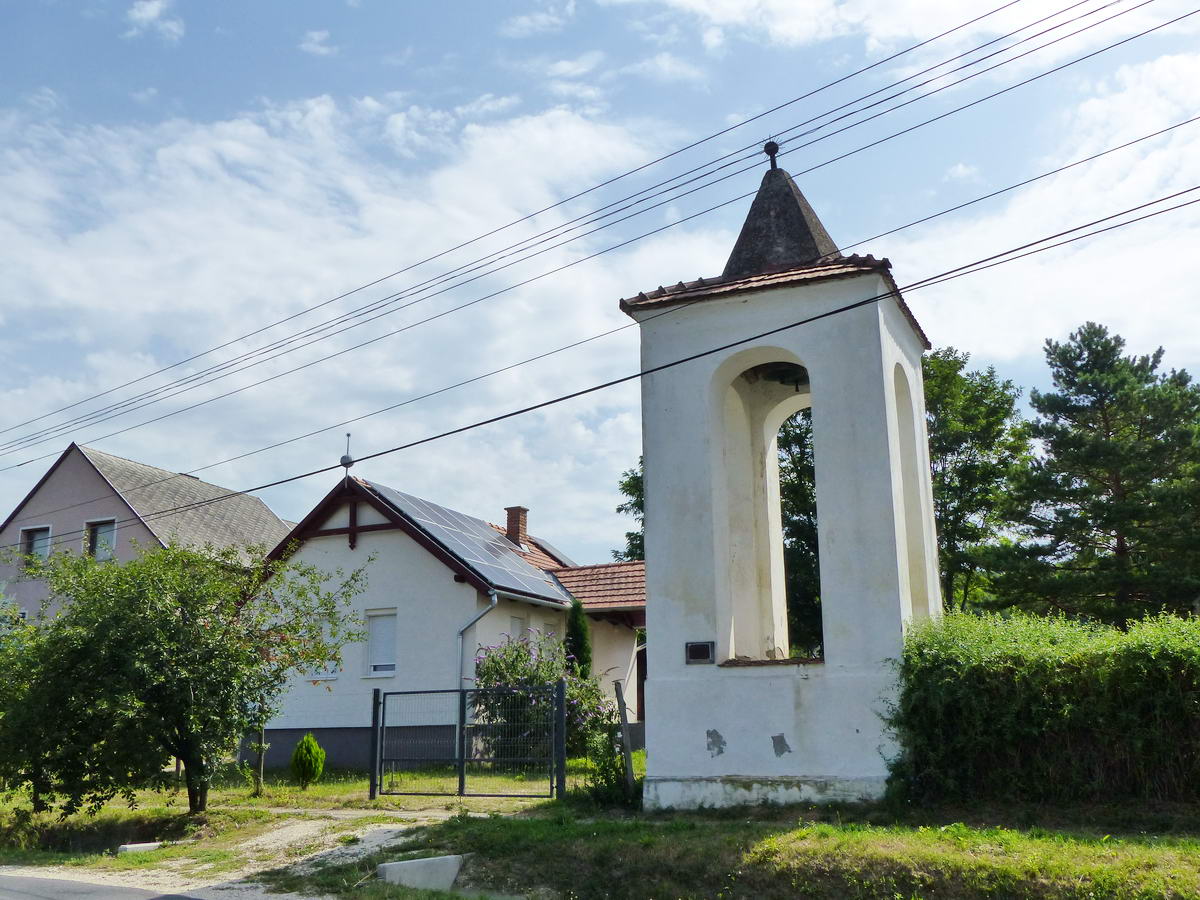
613,659
774,730
72,496
430,608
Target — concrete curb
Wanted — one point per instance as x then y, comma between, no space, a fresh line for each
139,848
436,873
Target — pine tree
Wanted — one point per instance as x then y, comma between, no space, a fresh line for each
578,640
1109,515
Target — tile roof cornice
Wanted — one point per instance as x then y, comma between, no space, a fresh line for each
830,268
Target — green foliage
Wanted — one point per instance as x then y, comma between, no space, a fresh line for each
976,438
578,641
1046,709
1109,516
177,653
535,661
308,761
798,509
633,486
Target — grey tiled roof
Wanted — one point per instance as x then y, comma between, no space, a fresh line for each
237,521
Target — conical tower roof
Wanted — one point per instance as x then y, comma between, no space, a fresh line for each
781,231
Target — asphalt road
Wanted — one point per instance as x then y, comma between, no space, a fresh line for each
13,887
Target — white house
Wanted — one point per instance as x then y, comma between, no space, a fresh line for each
97,503
440,584
789,324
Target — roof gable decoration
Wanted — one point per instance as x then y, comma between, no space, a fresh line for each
470,547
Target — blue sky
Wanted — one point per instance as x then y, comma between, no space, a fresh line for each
180,173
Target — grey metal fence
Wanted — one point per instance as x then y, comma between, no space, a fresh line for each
485,742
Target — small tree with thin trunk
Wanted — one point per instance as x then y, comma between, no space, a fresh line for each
177,653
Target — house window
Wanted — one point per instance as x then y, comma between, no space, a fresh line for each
381,643
549,628
35,544
101,538
517,629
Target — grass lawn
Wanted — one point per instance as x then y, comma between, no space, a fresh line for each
764,852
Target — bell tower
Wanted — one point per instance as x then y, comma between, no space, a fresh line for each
734,718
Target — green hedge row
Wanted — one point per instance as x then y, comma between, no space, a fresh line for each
1024,707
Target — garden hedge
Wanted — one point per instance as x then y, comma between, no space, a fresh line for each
1031,708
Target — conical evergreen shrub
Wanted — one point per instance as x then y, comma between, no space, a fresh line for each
308,761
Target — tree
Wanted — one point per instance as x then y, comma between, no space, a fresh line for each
801,556
632,485
175,654
976,438
1108,515
308,761
578,640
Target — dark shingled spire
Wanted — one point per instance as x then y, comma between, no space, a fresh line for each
781,231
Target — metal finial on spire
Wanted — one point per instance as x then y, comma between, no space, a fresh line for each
347,460
771,148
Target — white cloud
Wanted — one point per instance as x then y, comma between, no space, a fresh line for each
317,44
886,26
1129,279
667,68
574,68
145,95
961,171
486,105
206,230
146,16
551,18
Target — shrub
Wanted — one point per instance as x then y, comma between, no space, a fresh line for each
532,661
308,761
1043,708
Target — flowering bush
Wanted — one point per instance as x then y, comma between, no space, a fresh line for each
533,661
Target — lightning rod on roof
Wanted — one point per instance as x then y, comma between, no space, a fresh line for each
347,460
771,148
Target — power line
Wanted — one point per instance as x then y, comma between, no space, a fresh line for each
232,366
988,262
539,212
594,337
58,430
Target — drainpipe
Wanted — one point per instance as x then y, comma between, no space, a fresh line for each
495,600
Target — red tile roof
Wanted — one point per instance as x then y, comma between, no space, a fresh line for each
533,552
833,267
617,586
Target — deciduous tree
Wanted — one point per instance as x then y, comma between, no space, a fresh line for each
976,438
176,653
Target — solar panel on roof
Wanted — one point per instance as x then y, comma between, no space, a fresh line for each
477,544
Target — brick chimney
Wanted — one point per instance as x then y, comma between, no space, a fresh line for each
518,518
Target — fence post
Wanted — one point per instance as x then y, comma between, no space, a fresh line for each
560,739
629,780
373,780
462,742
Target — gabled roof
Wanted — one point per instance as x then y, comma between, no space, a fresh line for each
608,587
237,520
148,491
537,552
471,547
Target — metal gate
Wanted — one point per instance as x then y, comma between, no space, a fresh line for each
482,742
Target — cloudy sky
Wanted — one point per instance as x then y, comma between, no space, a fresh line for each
178,174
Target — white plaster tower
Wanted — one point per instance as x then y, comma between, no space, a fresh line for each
731,719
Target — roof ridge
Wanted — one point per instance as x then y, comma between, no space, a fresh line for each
621,562
137,462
